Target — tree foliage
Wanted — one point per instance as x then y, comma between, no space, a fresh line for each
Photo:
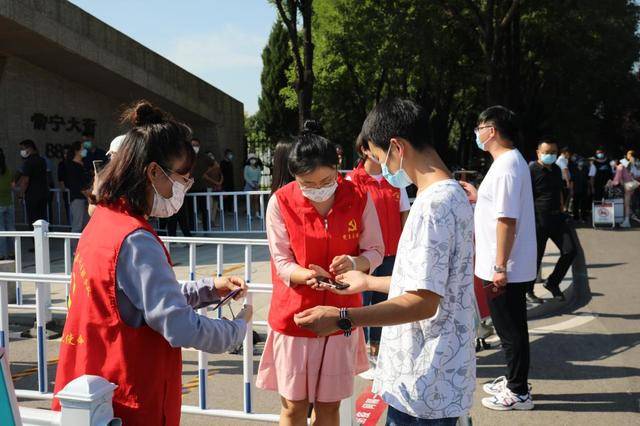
563,66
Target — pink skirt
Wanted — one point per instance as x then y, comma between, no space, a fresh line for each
318,369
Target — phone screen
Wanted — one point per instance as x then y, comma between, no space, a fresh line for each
228,298
492,291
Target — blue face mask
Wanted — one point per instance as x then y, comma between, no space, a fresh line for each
399,179
548,158
479,142
600,156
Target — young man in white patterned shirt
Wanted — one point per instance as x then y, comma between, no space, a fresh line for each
426,364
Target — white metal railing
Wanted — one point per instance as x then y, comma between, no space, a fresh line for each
236,212
43,279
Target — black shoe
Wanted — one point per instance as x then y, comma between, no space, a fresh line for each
556,292
532,298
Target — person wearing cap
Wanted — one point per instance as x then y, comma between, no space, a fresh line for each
97,165
625,179
599,173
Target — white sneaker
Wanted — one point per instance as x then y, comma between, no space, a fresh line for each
625,224
498,386
507,401
636,218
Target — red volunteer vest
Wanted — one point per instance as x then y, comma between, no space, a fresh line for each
315,240
387,201
96,341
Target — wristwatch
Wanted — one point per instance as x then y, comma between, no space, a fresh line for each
344,323
499,269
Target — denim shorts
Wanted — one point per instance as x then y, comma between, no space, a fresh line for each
398,418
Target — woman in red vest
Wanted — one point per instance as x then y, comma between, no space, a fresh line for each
128,315
317,227
392,205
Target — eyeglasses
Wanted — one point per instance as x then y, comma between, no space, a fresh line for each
477,129
187,182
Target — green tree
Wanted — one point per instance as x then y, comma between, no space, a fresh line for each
277,119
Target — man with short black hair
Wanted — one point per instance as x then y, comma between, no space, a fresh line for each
551,220
600,173
93,153
426,364
33,182
505,251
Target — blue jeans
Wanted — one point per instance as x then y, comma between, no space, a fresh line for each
7,223
398,418
372,334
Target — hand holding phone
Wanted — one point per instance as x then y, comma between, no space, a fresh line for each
332,283
228,298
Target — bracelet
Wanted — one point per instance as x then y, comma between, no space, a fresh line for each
353,262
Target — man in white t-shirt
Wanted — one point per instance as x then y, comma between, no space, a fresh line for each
563,162
506,252
426,364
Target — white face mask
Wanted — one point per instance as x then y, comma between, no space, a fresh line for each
320,195
196,149
167,207
24,153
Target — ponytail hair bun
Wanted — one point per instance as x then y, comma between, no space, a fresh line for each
311,127
143,113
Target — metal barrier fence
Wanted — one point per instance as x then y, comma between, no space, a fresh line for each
43,279
234,212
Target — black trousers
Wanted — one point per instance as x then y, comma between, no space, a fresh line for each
201,206
558,228
181,219
509,316
581,206
36,209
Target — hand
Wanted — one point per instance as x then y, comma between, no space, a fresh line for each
225,285
358,282
500,279
340,265
472,192
246,313
322,320
316,271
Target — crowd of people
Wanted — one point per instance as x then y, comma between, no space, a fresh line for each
363,282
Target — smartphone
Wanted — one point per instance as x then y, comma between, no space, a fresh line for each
332,283
228,298
492,291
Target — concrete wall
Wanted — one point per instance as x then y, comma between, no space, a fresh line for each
26,89
57,59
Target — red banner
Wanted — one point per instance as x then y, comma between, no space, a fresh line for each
369,408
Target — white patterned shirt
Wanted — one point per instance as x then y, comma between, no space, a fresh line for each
427,368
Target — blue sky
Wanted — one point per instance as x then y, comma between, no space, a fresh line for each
220,41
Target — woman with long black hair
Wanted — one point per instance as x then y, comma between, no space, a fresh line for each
128,315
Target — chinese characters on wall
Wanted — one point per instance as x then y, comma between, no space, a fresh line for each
57,123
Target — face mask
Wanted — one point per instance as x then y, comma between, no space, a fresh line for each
399,179
581,164
548,159
320,195
600,156
253,162
24,153
479,142
83,153
87,144
212,157
230,157
196,149
166,207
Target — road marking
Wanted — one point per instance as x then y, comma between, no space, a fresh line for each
577,320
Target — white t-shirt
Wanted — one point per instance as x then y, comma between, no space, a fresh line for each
405,205
592,170
427,368
563,163
506,192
